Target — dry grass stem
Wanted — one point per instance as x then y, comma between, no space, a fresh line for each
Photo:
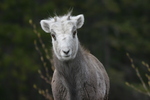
47,78
145,86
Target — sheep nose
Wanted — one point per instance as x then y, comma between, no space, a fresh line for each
66,52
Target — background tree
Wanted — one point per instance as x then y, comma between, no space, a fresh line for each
112,28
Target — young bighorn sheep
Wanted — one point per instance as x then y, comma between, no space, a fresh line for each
78,74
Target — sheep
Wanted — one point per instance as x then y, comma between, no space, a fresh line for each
78,75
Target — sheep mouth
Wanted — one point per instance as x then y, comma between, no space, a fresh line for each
67,56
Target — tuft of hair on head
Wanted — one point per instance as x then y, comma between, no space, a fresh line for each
69,13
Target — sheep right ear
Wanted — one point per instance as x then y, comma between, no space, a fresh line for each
45,24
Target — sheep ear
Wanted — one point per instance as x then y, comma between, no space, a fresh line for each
45,25
80,20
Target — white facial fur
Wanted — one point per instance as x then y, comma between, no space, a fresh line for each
64,35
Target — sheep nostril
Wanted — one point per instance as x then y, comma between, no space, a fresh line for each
66,52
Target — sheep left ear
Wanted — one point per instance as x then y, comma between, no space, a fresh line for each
79,20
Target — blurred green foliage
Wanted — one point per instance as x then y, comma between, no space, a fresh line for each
112,28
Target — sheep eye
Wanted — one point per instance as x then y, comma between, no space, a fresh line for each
74,33
53,36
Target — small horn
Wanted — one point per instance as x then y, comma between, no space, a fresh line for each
55,19
68,18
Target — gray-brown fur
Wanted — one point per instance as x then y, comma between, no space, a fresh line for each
78,74
83,78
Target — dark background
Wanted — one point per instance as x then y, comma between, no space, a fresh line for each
111,29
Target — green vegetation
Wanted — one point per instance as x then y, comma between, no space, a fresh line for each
112,28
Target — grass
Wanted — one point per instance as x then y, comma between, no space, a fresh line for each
145,85
47,77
